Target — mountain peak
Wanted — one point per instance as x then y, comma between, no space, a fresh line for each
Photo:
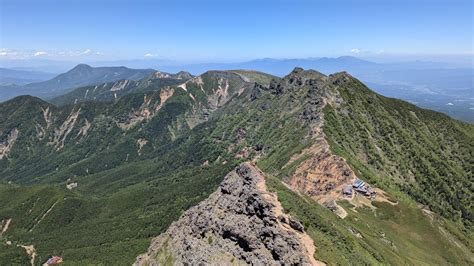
297,70
224,74
180,75
301,74
297,79
160,75
184,75
340,77
26,99
82,67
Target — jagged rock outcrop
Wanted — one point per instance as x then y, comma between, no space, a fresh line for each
323,172
240,223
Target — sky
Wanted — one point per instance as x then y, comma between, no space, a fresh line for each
228,30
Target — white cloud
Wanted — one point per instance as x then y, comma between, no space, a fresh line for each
10,53
77,53
24,54
449,104
40,53
149,55
361,52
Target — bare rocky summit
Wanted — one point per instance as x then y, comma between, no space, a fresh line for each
240,223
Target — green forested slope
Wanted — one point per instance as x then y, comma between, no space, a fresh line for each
127,194
124,197
395,235
424,153
111,91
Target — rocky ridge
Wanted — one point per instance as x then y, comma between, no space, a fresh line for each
240,223
322,172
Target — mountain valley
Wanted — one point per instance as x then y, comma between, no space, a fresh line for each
233,166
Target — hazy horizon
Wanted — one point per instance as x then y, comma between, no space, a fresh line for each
55,65
211,32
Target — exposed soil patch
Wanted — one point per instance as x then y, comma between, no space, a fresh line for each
141,143
6,146
31,251
147,110
4,226
321,174
61,133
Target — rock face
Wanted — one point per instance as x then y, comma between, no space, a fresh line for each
240,223
322,173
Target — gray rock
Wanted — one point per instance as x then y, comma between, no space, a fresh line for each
237,224
296,225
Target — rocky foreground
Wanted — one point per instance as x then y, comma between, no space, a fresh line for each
240,223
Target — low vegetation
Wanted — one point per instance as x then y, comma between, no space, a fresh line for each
133,182
393,143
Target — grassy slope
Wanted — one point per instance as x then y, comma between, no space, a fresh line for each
136,200
112,215
124,200
405,237
102,92
395,144
256,76
397,235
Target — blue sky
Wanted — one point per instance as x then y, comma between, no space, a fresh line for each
233,30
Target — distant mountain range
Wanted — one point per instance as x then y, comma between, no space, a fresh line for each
79,76
21,77
280,67
439,86
444,87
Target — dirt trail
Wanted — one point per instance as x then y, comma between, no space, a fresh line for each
44,215
382,197
31,251
278,211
